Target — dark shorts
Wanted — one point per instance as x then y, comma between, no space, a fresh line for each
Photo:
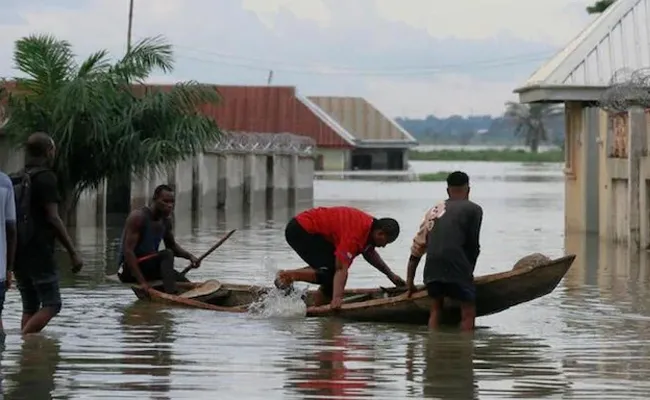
38,290
454,291
314,250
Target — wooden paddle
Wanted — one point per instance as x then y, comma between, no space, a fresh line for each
207,253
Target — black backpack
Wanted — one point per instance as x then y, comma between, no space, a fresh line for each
22,182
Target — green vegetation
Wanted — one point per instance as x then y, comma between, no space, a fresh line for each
530,121
105,122
439,176
599,6
506,155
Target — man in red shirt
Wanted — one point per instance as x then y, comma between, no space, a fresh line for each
328,239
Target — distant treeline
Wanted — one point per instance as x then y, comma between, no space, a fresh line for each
474,129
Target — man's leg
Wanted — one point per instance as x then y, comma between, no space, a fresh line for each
49,296
286,278
169,275
467,297
437,295
28,296
3,290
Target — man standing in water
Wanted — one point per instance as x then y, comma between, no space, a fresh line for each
328,239
140,260
449,235
8,237
38,224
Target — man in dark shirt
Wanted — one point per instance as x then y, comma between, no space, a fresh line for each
449,235
35,271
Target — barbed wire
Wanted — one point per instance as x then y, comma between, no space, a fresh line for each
265,143
627,88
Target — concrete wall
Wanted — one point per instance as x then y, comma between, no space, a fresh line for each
608,175
333,159
305,181
233,182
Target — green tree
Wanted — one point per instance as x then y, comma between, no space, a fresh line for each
599,6
107,124
530,121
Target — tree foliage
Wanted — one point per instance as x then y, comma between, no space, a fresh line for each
599,6
105,121
530,121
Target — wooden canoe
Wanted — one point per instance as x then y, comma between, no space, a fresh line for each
494,293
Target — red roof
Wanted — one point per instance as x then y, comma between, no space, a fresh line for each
271,109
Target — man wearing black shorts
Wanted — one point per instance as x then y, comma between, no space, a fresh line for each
328,239
35,270
449,235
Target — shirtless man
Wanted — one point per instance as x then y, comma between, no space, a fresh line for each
140,260
449,235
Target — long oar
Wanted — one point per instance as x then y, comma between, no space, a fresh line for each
207,253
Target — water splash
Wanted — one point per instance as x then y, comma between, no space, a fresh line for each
275,303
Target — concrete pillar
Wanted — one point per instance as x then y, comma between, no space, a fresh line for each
235,182
255,181
159,176
292,178
182,180
281,173
209,181
305,181
269,164
637,148
140,194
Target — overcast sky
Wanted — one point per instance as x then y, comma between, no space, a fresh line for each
408,57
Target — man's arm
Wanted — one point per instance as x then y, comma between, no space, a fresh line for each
340,279
10,228
171,244
131,237
373,258
419,246
473,234
46,192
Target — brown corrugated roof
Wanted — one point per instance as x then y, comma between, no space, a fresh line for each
365,122
273,109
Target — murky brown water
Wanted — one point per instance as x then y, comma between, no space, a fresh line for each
584,341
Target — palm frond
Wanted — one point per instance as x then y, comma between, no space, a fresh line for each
105,127
144,58
45,60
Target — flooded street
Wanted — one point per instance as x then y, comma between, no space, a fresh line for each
585,340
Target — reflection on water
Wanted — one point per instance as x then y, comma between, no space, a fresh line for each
147,349
587,339
34,375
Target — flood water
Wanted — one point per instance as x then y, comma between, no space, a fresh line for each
585,340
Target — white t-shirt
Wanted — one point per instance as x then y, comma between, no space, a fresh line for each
7,214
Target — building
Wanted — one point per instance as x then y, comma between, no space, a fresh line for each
379,142
607,170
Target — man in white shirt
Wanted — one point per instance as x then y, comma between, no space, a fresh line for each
8,237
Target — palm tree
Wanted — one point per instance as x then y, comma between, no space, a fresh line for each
530,120
600,6
107,124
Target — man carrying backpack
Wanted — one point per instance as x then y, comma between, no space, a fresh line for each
7,238
38,224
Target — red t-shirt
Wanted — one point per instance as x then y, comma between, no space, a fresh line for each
347,228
